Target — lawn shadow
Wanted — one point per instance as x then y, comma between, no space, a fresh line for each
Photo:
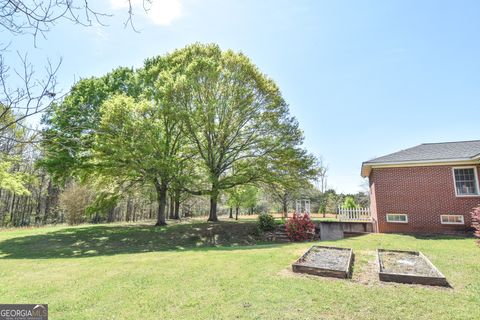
436,236
104,240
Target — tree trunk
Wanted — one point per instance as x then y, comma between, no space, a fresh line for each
162,202
134,211
171,214
236,213
24,210
11,210
38,208
128,214
17,216
231,213
48,201
177,209
111,212
2,214
213,206
285,208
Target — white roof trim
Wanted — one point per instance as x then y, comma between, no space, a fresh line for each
368,166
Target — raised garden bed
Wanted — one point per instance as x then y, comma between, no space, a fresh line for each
408,267
326,262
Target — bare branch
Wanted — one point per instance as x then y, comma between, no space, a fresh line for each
38,17
22,93
31,95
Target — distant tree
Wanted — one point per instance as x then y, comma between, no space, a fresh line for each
326,201
349,203
10,154
242,197
331,202
291,172
12,181
362,199
234,200
322,177
250,198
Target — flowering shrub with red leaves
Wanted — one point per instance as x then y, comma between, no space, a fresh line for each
300,227
476,220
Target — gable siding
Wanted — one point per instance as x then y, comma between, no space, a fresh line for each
424,194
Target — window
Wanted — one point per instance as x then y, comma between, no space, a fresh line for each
466,183
451,219
397,218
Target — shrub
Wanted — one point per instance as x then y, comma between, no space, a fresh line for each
74,200
266,222
349,203
476,220
300,227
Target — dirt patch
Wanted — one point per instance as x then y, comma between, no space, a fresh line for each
325,262
326,258
409,267
406,263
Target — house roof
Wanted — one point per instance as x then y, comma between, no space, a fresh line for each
428,154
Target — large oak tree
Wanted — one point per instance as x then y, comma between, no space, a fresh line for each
234,116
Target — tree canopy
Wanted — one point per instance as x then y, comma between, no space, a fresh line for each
233,115
198,120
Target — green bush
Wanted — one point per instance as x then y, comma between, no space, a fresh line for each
266,222
349,203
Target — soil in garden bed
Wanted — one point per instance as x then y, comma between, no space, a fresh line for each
406,263
326,258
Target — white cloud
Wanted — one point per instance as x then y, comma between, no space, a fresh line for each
161,12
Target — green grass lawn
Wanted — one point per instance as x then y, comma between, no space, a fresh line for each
219,271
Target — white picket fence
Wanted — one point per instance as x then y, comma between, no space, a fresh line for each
357,214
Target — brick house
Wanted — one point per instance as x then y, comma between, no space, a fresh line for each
430,188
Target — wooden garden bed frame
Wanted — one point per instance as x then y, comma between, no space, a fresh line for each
343,273
410,278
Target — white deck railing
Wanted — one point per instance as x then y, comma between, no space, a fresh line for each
356,214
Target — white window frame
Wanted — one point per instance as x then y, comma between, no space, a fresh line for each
397,214
476,181
452,215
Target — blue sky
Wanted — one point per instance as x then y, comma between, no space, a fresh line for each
364,78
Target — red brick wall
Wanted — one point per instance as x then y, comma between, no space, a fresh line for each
423,193
373,205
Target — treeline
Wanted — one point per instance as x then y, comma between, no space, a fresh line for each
199,131
45,201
